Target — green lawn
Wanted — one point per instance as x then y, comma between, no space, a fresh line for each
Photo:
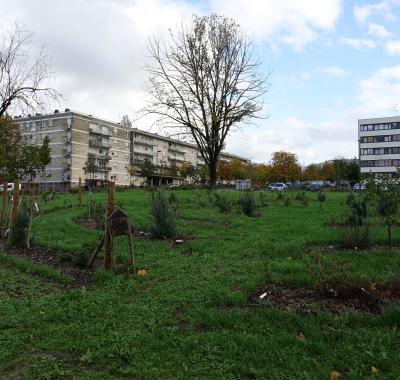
188,318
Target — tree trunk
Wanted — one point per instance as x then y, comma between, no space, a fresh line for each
108,239
4,207
212,168
80,193
390,234
14,211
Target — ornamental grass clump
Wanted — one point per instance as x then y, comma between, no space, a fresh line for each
221,202
163,224
19,233
248,203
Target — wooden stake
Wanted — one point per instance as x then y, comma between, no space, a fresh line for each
132,254
14,211
80,193
107,235
4,207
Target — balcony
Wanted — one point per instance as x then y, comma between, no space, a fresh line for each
98,144
99,132
175,150
99,168
147,143
149,154
180,159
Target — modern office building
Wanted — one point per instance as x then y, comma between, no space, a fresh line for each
117,152
379,145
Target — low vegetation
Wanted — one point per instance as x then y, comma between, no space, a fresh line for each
198,301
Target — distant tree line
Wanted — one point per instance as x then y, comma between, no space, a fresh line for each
285,167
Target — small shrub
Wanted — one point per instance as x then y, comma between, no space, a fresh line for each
82,256
286,200
263,199
279,196
248,203
358,209
221,202
172,199
355,236
321,198
162,215
99,214
302,197
326,273
19,233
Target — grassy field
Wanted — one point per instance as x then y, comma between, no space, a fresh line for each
189,317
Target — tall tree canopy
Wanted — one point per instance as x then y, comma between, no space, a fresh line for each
205,81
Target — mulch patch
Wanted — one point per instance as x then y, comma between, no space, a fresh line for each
56,259
306,300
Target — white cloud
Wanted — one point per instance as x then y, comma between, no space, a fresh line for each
380,92
294,22
311,142
332,70
359,42
383,8
393,47
379,31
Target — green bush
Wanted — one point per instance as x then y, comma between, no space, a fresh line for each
248,203
163,223
286,200
263,199
19,233
221,202
358,209
82,256
355,236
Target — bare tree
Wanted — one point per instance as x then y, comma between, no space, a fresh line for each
205,81
23,76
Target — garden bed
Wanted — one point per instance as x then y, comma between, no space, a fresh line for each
306,300
52,258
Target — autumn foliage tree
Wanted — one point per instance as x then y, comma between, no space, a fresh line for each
205,81
285,166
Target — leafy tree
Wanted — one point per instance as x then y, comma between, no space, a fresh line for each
90,167
285,166
312,172
328,172
206,82
147,169
386,193
347,170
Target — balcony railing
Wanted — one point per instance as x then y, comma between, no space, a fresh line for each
98,144
100,168
99,132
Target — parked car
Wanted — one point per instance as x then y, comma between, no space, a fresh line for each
359,186
277,187
313,186
10,187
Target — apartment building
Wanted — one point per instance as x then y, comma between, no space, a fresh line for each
167,155
75,140
117,151
379,145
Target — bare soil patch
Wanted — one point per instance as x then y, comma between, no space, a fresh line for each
53,258
306,300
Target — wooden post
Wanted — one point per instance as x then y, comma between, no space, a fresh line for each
108,238
14,211
4,207
80,193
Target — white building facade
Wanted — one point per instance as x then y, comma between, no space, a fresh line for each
379,145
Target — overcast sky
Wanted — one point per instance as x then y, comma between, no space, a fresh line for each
333,62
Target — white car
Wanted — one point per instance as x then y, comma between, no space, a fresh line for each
10,187
277,187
